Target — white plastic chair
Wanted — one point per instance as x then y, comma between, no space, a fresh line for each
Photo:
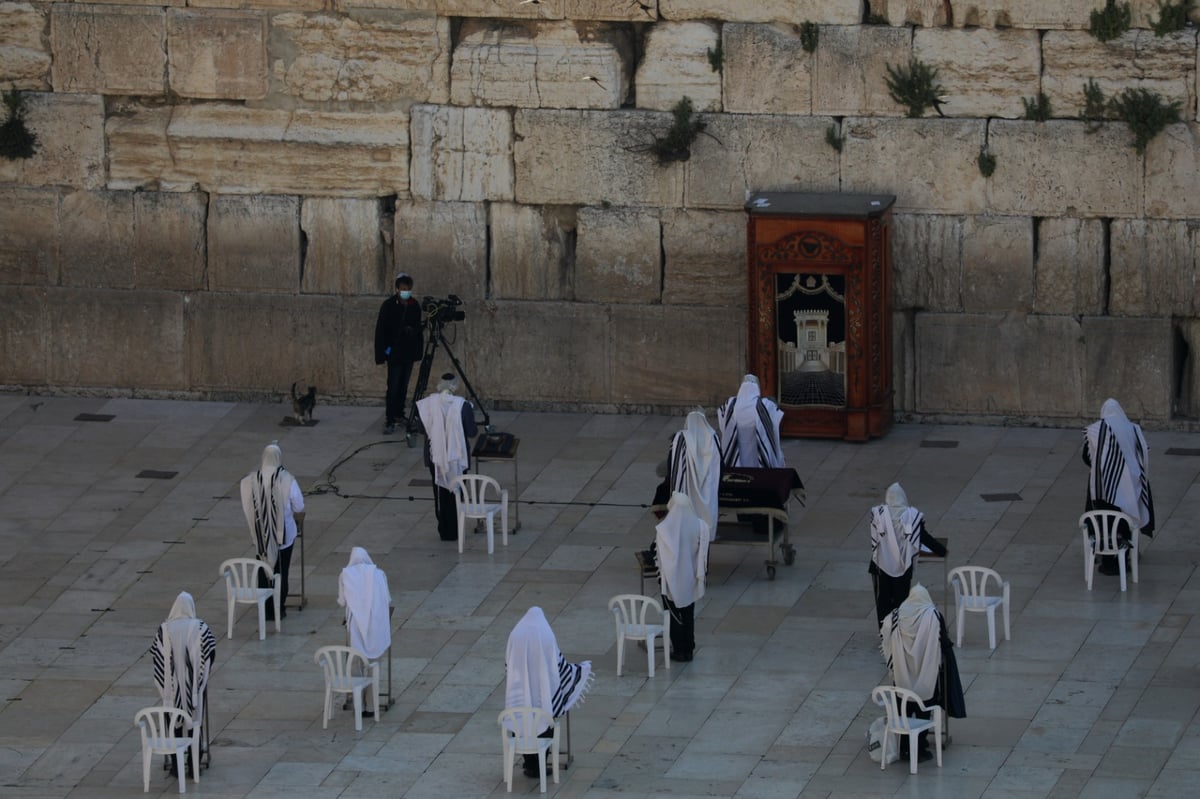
241,588
470,493
896,702
519,730
158,727
970,593
630,612
1102,539
338,664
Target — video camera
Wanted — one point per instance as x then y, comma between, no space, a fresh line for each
439,310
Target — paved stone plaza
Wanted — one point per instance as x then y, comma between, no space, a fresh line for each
1095,695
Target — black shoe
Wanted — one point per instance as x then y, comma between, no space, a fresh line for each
389,428
681,658
924,755
1109,566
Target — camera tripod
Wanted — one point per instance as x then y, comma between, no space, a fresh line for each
437,336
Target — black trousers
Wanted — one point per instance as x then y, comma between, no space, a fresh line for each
890,592
398,375
445,507
531,761
282,567
683,628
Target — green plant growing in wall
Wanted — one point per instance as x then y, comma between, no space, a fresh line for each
685,127
1146,114
915,86
810,34
1111,21
986,161
16,139
716,58
1095,106
833,139
1171,17
1037,108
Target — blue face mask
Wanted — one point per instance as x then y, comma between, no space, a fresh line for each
404,295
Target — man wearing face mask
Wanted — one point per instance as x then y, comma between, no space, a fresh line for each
399,342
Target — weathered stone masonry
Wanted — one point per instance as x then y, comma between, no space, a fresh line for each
215,173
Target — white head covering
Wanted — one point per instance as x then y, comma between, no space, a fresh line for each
449,382
750,429
895,533
911,643
1120,462
183,652
538,674
695,466
363,591
264,502
441,414
682,541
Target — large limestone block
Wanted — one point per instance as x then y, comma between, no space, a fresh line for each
927,272
502,9
1187,387
1057,168
1138,58
985,73
618,255
25,54
361,376
592,158
998,263
705,254
345,252
388,62
254,244
238,150
904,361
259,341
541,65
29,237
1030,14
108,49
850,69
1070,266
461,154
999,364
110,338
828,12
289,5
444,247
532,252
1173,173
97,240
926,13
929,164
24,335
740,153
632,10
70,142
675,64
1153,268
1129,359
765,70
677,355
217,54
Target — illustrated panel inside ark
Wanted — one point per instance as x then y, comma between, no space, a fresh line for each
810,323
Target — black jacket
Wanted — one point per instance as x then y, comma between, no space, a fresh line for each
400,327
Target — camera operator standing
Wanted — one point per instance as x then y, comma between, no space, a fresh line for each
399,342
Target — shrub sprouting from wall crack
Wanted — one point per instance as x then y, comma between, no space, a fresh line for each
915,86
1111,21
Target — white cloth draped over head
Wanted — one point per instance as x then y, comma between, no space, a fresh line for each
537,673
441,414
363,591
695,466
183,653
895,533
911,643
1120,462
682,539
750,429
264,502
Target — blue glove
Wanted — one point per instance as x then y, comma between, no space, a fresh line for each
387,351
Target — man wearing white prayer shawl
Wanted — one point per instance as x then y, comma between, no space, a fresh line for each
682,539
920,656
363,591
897,536
749,425
183,652
537,674
1118,473
449,422
695,466
272,503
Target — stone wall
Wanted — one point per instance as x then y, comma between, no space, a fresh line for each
223,189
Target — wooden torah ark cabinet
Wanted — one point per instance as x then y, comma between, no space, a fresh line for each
819,282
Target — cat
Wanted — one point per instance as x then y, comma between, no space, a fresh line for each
302,405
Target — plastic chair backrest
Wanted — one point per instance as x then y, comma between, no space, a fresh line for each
526,724
895,701
972,581
1104,524
338,663
633,609
243,572
472,489
159,723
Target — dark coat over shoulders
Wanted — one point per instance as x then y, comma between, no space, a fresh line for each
399,327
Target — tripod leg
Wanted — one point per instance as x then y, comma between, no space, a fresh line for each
411,428
487,420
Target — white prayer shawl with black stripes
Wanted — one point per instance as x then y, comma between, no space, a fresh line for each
910,641
264,502
695,466
895,533
750,429
1120,463
183,653
537,673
